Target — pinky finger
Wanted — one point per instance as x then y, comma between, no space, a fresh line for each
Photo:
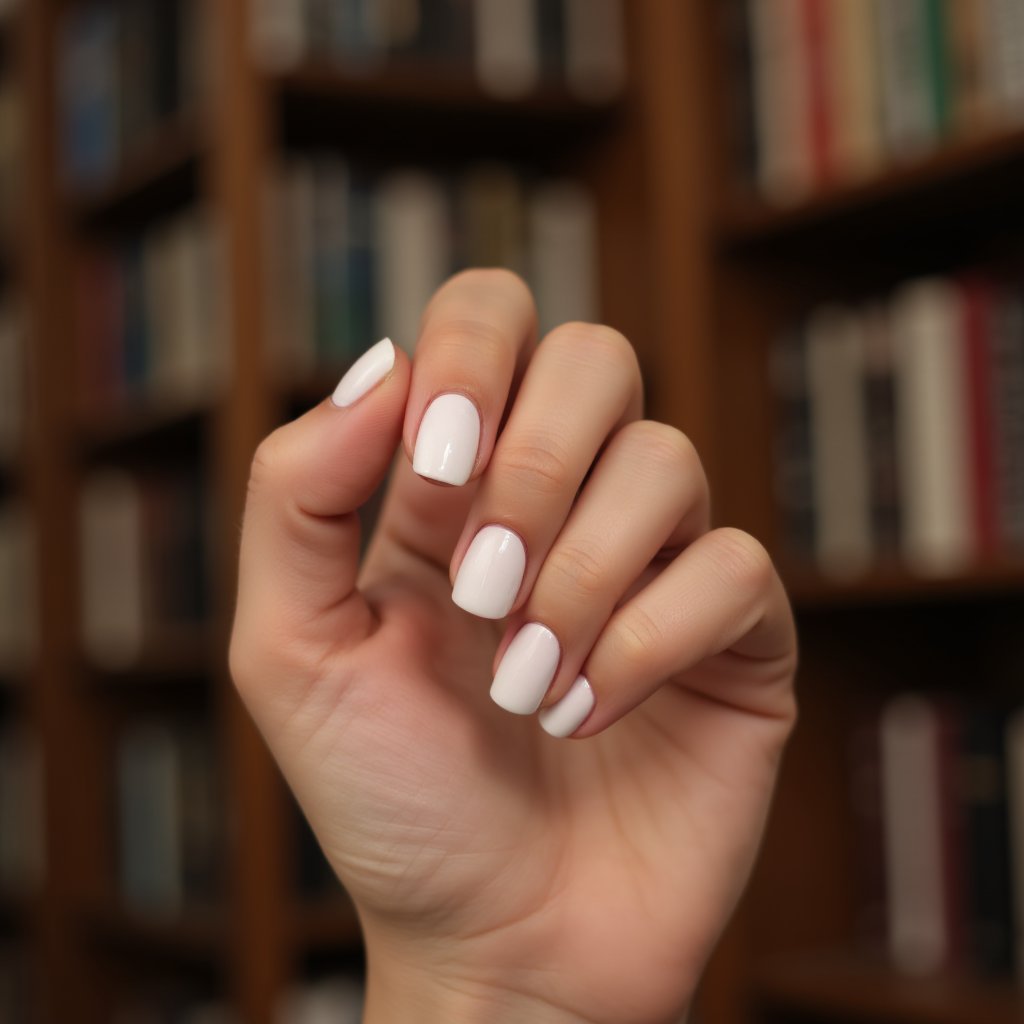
720,596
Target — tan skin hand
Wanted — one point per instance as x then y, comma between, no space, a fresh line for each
502,874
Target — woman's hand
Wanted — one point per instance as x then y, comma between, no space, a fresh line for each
502,874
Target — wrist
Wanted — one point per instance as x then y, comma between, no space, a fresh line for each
437,986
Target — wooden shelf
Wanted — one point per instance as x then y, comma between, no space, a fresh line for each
196,934
897,585
409,104
156,176
171,657
139,426
845,988
962,177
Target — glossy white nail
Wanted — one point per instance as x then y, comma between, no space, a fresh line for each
526,669
565,717
491,573
366,372
447,441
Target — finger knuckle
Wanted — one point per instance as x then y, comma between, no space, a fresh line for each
743,558
663,446
455,336
576,570
538,465
637,637
597,343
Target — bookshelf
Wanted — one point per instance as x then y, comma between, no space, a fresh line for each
694,266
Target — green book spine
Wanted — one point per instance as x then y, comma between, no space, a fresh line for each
939,63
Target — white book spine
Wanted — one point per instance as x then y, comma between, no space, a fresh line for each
412,234
562,237
278,33
912,830
595,48
932,427
112,574
839,443
506,46
781,81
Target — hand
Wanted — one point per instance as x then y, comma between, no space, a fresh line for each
501,874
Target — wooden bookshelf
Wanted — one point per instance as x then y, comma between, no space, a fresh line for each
697,272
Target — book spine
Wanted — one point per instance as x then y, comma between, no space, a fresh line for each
816,15
1014,739
794,458
412,231
835,376
977,303
1007,389
933,427
506,46
907,102
562,233
595,59
918,940
780,82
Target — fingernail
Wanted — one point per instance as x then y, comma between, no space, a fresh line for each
526,670
565,717
366,372
447,440
491,573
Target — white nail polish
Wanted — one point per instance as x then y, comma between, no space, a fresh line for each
447,441
368,370
491,573
526,670
565,717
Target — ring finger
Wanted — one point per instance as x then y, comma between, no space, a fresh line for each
647,494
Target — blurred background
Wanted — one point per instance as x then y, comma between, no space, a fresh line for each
806,214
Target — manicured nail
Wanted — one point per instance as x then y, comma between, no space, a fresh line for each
491,573
366,372
447,440
565,717
526,670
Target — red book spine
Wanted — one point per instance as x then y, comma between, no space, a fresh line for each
815,41
977,307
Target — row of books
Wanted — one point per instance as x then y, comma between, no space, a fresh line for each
170,816
337,998
148,316
512,46
145,544
18,593
126,68
833,90
11,157
357,257
21,806
938,793
12,377
900,434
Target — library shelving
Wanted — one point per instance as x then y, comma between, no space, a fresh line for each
694,265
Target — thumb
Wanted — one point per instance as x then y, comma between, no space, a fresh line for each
300,533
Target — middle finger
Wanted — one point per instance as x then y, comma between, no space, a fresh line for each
582,384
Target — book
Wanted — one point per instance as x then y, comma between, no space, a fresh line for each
563,248
13,379
595,58
783,146
1013,738
506,51
413,243
933,427
921,838
839,435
